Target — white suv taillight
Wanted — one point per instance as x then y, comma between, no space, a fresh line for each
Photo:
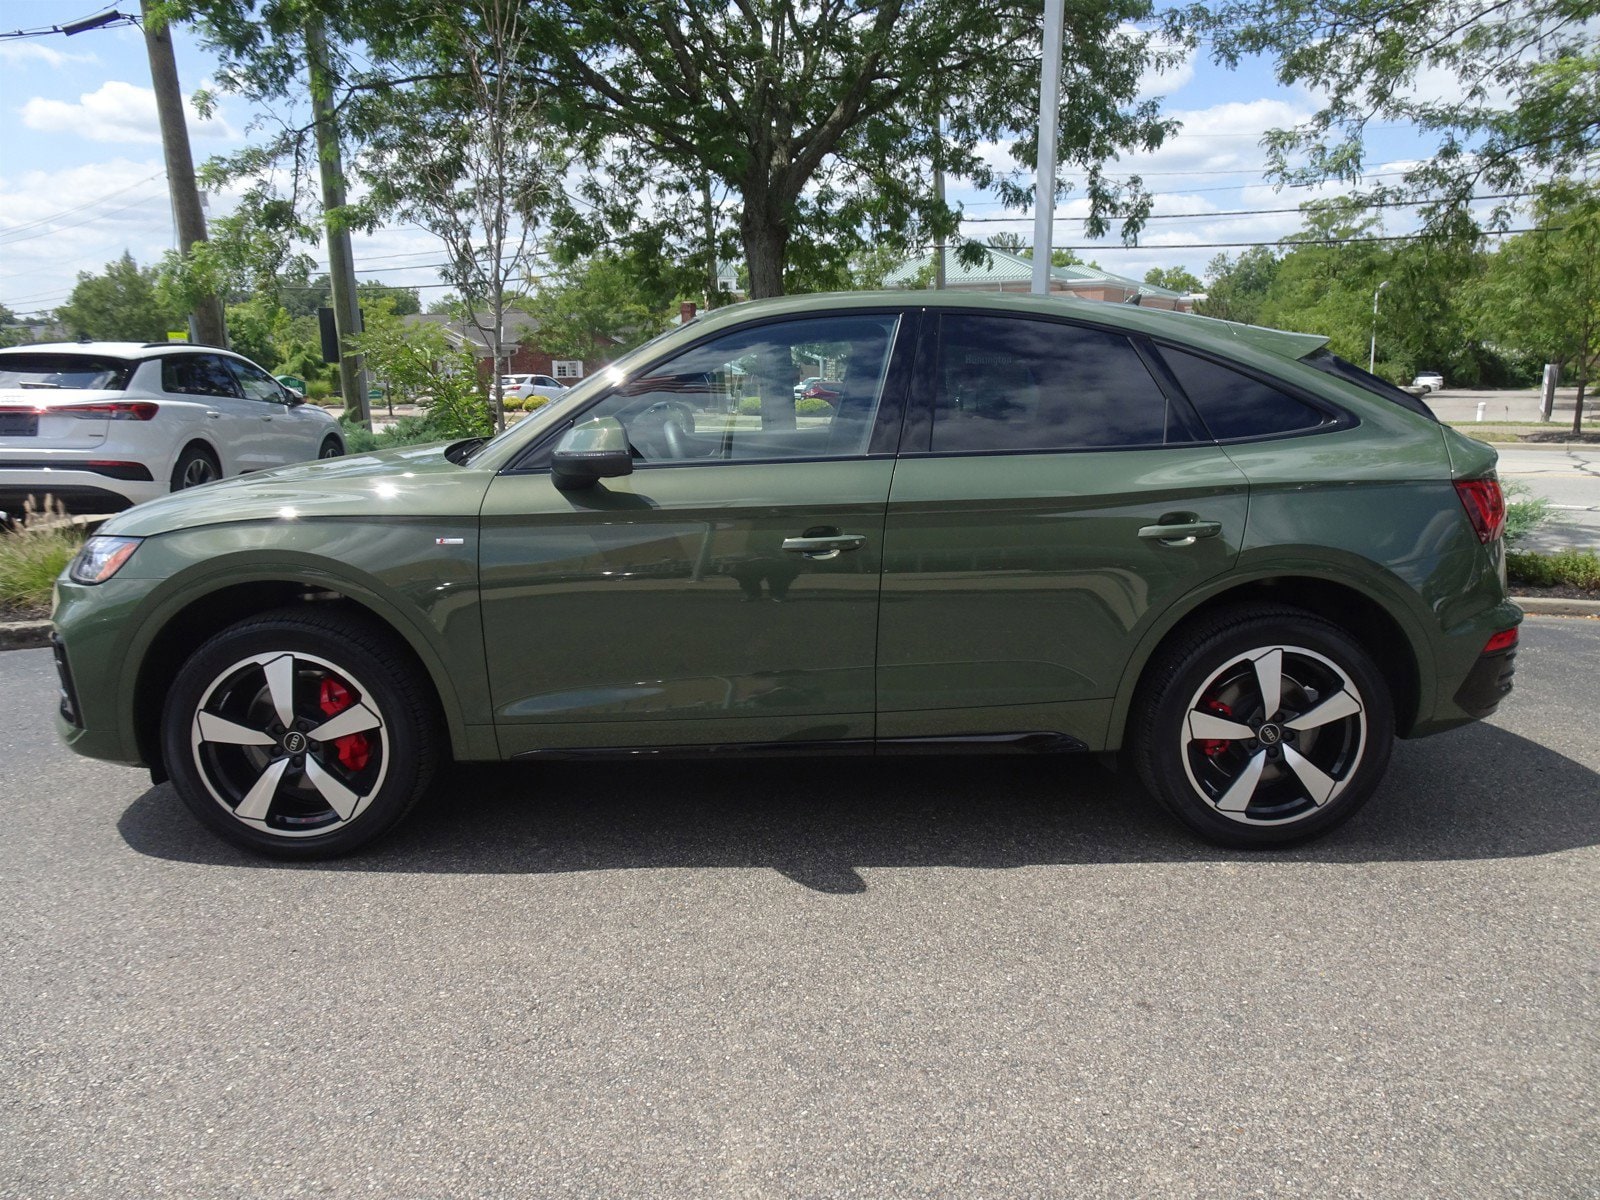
111,410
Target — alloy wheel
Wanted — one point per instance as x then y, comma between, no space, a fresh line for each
290,744
1274,735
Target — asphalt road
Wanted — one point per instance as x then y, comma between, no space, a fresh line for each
824,979
1570,481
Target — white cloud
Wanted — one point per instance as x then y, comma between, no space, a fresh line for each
23,53
115,112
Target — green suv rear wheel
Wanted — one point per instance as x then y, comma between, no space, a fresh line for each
1263,726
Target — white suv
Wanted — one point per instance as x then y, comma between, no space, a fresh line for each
524,386
104,425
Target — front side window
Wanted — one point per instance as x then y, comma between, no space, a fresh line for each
1005,383
198,375
256,383
736,397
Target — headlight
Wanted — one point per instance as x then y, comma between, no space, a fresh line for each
101,558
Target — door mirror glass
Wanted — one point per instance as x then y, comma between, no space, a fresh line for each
590,452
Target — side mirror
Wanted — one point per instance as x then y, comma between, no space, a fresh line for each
292,398
591,452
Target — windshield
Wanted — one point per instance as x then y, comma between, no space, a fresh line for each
75,371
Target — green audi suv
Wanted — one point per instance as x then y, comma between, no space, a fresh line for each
1015,524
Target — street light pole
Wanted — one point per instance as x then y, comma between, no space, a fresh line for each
1044,188
1372,350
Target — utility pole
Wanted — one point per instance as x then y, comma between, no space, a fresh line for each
341,263
938,200
207,325
1044,188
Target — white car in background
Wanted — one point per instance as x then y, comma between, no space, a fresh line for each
101,426
523,386
1431,380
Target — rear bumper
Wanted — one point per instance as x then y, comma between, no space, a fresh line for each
80,489
1487,683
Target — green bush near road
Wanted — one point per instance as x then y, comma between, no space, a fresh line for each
1577,568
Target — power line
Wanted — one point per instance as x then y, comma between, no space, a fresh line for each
24,226
1247,212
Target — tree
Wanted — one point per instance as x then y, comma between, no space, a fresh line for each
468,157
825,119
120,305
1236,288
419,362
1526,100
593,310
1541,291
1174,279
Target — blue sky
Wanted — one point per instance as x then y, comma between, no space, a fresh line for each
82,180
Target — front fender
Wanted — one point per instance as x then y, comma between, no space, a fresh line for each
407,573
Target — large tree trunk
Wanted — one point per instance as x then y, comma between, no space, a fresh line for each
766,243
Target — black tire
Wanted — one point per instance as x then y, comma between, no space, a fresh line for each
331,447
228,748
1238,775
196,465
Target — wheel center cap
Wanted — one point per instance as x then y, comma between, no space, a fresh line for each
294,742
1269,735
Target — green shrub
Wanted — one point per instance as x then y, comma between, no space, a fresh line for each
1524,512
513,403
32,555
318,389
750,406
812,406
535,402
1580,568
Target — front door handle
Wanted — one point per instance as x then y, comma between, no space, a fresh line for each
213,414
1183,533
824,547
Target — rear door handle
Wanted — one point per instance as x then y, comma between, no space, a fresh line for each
1182,533
213,414
824,547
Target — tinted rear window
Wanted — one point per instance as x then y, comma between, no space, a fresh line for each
74,371
1234,405
1331,364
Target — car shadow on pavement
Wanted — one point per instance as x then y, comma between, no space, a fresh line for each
1479,792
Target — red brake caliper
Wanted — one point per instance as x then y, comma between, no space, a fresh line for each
352,749
1211,747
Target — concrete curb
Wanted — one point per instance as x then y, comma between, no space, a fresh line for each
1551,447
32,635
1557,606
24,635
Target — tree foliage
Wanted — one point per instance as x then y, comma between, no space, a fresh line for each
825,120
1508,91
1174,279
121,304
1541,292
594,310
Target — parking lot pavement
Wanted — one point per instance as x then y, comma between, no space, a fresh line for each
814,979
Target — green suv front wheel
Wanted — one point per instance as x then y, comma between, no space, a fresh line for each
301,733
1261,726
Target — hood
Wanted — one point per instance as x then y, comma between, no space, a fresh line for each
413,482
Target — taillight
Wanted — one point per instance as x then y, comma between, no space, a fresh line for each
1486,506
1503,640
120,410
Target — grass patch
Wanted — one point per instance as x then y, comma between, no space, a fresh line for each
1572,568
32,555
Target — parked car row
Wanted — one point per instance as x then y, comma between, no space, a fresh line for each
104,425
1024,524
